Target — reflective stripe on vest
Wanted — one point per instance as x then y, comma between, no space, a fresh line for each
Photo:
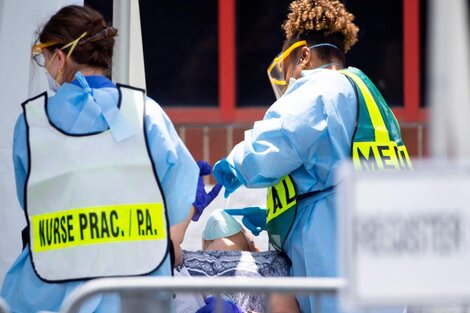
380,149
95,207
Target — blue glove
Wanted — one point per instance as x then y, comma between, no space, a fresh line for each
224,173
203,199
227,306
254,218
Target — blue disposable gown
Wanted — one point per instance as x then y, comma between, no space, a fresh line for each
305,133
176,169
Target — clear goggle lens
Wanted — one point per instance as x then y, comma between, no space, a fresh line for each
277,69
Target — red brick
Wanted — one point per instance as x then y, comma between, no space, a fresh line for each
217,146
238,135
193,139
426,148
179,129
410,138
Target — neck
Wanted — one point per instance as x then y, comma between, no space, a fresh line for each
89,71
336,66
85,70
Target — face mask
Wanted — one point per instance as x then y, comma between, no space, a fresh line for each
220,224
53,84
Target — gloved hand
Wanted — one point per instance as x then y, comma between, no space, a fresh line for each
224,173
227,306
254,218
203,199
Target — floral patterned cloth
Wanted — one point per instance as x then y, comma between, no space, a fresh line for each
238,263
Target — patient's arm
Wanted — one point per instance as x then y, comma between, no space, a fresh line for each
177,233
283,303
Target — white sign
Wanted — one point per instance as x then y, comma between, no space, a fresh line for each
404,236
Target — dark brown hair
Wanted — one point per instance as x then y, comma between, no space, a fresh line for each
321,21
69,23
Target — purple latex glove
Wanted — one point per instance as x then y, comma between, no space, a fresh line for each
227,306
203,199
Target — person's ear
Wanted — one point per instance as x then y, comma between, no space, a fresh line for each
305,57
61,57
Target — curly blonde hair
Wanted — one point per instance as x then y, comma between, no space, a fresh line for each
325,17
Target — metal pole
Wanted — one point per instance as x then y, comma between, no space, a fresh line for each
200,284
3,306
449,79
218,305
121,20
146,301
317,303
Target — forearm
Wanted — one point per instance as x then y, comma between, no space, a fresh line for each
177,233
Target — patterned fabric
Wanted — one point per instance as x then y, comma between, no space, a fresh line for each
240,264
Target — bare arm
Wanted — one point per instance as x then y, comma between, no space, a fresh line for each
177,233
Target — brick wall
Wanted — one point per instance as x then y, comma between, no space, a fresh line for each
213,142
415,136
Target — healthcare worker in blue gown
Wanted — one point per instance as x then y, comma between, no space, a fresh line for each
100,172
320,118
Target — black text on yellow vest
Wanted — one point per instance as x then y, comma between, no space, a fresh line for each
88,214
377,143
281,210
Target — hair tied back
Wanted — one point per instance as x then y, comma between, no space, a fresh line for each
108,32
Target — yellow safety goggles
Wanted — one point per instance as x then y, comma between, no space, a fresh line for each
37,49
277,69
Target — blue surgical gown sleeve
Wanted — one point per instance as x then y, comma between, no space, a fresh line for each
304,134
176,168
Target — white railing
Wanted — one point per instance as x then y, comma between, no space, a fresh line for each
154,294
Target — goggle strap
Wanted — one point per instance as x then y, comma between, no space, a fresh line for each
285,53
325,45
37,48
73,44
288,51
